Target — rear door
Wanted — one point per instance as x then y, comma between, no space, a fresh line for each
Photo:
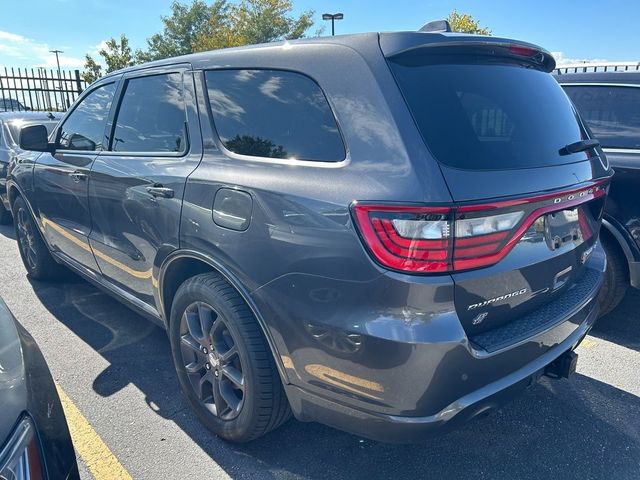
527,207
136,187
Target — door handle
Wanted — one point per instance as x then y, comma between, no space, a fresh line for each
160,191
77,176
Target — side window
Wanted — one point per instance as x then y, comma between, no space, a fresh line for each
84,128
612,113
271,113
151,116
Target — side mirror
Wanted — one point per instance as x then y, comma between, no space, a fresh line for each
34,137
80,142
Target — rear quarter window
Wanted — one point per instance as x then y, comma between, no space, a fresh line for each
273,114
612,113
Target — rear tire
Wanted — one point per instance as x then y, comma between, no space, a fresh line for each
36,257
616,279
223,362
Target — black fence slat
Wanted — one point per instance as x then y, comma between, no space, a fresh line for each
39,88
2,80
35,90
12,90
26,74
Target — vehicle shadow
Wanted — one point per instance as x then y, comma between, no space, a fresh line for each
8,231
580,428
620,327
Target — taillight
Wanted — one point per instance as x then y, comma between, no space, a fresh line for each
416,239
454,238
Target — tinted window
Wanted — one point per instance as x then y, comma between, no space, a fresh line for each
269,113
612,113
484,117
84,128
151,116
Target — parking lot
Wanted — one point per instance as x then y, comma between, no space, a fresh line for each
115,366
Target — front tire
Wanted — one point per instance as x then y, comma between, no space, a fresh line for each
616,277
35,254
223,362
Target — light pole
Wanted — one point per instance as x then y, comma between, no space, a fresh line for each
333,17
59,72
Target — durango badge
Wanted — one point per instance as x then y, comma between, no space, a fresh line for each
497,299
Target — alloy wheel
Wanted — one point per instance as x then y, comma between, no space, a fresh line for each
26,238
211,360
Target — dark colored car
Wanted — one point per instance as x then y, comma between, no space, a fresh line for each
11,105
34,438
387,233
10,125
609,103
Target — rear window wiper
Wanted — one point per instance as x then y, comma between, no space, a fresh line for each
579,146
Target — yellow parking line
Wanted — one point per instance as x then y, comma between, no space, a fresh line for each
588,343
94,452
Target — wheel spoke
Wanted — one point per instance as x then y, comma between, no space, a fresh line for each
218,400
206,387
230,397
193,325
235,375
228,355
195,367
188,341
205,316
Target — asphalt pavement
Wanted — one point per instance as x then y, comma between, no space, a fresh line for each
116,368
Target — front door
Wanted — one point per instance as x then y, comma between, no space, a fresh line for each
136,188
61,178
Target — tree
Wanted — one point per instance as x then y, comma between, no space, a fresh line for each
198,26
182,28
116,55
255,146
465,23
255,21
92,70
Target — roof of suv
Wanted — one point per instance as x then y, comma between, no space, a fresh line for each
396,42
600,77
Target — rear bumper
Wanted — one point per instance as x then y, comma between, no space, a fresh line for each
407,429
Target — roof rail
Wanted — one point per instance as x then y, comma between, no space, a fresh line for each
590,67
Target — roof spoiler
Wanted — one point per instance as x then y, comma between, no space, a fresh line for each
403,47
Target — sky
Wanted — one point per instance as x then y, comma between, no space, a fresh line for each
572,29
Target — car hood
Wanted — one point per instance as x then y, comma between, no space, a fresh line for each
13,387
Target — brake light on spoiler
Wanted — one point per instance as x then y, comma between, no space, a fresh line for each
438,239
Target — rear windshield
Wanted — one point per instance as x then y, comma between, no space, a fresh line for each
489,116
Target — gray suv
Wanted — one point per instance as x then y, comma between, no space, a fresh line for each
386,233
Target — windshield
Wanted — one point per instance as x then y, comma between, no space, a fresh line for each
483,116
16,125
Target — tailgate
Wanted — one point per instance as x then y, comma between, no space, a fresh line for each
527,183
